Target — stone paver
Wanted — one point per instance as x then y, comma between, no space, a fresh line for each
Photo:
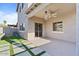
39,42
18,49
45,54
21,47
4,45
37,51
3,48
17,44
5,53
28,44
24,54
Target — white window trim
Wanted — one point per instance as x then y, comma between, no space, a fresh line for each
22,30
57,32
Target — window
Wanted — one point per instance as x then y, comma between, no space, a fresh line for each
22,27
58,26
38,30
20,9
22,5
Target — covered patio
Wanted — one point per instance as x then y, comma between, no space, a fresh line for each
55,47
60,42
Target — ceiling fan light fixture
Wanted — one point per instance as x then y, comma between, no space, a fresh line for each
54,15
45,12
49,14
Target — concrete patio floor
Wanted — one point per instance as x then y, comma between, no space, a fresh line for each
56,47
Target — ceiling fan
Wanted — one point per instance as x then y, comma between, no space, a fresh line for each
49,14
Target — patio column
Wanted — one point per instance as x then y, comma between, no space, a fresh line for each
77,29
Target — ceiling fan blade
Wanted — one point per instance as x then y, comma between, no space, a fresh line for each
53,11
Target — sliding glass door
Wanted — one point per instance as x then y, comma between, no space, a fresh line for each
38,30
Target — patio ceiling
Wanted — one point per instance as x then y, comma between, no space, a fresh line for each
60,8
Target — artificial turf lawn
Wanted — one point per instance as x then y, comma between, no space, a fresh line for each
30,51
0,33
8,40
12,39
11,50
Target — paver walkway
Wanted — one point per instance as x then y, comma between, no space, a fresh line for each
23,48
4,50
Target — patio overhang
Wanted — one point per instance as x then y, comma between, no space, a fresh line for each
60,9
35,8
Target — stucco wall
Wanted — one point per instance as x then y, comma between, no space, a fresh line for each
69,28
67,35
77,29
69,23
22,19
31,27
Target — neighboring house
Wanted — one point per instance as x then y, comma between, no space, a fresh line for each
1,32
10,29
1,29
50,20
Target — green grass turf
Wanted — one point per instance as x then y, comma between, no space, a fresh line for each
11,39
11,50
0,33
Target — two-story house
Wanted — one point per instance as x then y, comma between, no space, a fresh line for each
54,21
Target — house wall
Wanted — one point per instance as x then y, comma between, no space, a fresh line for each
22,19
31,27
69,23
1,29
77,29
9,30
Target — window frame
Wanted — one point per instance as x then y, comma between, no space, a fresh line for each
55,31
20,9
21,28
22,5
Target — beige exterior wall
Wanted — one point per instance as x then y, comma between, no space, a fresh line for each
67,35
31,27
77,29
69,23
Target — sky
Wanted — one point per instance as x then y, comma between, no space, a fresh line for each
8,13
